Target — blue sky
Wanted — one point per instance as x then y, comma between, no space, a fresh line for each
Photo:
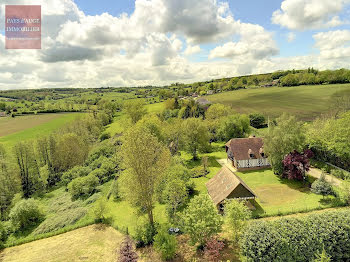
89,43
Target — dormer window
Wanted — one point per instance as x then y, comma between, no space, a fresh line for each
250,153
261,152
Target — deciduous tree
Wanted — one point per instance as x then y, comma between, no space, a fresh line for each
282,138
146,160
201,219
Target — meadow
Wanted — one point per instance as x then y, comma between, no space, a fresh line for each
306,102
22,128
92,243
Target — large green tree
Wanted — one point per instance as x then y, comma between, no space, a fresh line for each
201,219
145,160
195,136
135,110
282,138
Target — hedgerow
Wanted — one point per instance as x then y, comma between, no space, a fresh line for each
298,239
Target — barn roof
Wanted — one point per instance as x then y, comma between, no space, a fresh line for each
241,146
223,184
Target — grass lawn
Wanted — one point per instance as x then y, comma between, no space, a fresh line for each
21,128
306,102
282,196
92,243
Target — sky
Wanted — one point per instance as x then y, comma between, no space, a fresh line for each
89,43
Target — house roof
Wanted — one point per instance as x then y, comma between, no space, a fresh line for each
241,146
203,101
223,184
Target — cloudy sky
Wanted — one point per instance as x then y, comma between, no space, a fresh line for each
94,43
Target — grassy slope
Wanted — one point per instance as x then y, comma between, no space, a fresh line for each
32,131
280,196
306,102
92,243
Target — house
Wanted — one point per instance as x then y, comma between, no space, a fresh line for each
210,92
203,102
247,153
3,114
227,185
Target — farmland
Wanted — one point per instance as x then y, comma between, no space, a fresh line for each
24,128
306,102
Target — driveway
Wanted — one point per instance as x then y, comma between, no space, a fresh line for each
316,173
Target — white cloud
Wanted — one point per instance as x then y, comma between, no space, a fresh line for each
191,50
334,47
291,37
150,46
309,14
255,43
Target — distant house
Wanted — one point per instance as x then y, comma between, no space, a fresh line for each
210,92
247,153
203,102
227,185
3,114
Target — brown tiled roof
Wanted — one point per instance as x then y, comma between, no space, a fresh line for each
223,184
240,147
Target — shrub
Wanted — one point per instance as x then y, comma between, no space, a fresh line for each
165,244
99,211
257,120
145,234
25,213
298,239
127,252
83,186
75,172
3,233
236,216
105,136
338,173
212,250
322,187
201,219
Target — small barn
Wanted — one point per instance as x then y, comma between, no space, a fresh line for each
247,153
227,185
3,114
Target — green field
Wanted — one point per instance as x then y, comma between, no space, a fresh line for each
278,196
31,127
306,102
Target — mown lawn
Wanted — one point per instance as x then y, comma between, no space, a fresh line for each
282,196
305,102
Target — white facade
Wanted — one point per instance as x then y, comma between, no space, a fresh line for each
260,162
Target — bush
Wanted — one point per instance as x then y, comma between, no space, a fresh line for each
338,173
83,187
322,187
75,172
298,239
126,252
3,234
257,120
212,250
145,234
25,213
105,136
165,244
